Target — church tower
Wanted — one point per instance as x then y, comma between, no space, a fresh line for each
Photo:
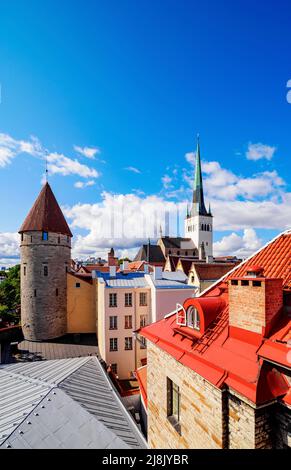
45,250
199,221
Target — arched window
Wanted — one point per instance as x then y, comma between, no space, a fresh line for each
193,319
208,228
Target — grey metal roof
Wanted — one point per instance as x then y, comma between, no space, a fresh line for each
105,405
54,350
135,282
67,403
167,284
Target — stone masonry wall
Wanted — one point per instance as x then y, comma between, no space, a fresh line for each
202,416
283,427
249,428
44,298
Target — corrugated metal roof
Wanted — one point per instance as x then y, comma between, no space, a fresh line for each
136,282
52,372
58,422
167,284
28,391
91,389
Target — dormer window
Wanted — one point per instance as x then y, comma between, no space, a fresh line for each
193,318
45,236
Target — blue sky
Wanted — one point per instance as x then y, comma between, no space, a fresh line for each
136,81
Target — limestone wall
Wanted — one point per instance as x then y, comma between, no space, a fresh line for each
202,411
44,298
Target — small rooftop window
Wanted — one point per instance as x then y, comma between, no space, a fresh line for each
193,318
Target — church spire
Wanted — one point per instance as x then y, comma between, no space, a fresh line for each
198,196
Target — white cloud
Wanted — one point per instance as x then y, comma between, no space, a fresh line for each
57,163
191,157
166,180
60,164
241,246
259,151
9,248
11,148
84,184
88,152
132,169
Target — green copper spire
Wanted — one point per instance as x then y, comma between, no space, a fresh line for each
198,196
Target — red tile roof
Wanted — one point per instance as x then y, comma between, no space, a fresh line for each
212,271
141,375
46,215
230,356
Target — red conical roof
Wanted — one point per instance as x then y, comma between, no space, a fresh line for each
46,215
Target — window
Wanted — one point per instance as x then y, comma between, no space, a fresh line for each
45,236
31,239
170,252
143,343
128,344
178,252
186,253
68,239
34,292
45,271
234,282
114,368
112,323
128,322
143,320
244,283
59,239
112,300
128,300
78,285
193,319
24,270
113,344
143,299
57,292
257,283
173,404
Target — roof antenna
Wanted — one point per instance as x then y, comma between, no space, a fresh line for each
46,169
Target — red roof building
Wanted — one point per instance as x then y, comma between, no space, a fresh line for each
235,337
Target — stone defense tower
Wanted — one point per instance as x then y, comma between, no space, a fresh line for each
199,221
45,260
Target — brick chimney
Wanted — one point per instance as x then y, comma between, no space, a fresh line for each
254,301
112,260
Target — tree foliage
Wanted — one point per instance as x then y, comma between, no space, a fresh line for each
10,295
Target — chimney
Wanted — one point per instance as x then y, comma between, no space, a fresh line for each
112,271
158,273
112,260
124,265
254,301
209,259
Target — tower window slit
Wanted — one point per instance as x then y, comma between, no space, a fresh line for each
45,271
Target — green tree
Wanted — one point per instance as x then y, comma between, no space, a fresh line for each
10,295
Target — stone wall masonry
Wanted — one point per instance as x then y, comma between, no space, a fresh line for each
43,312
202,417
283,426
